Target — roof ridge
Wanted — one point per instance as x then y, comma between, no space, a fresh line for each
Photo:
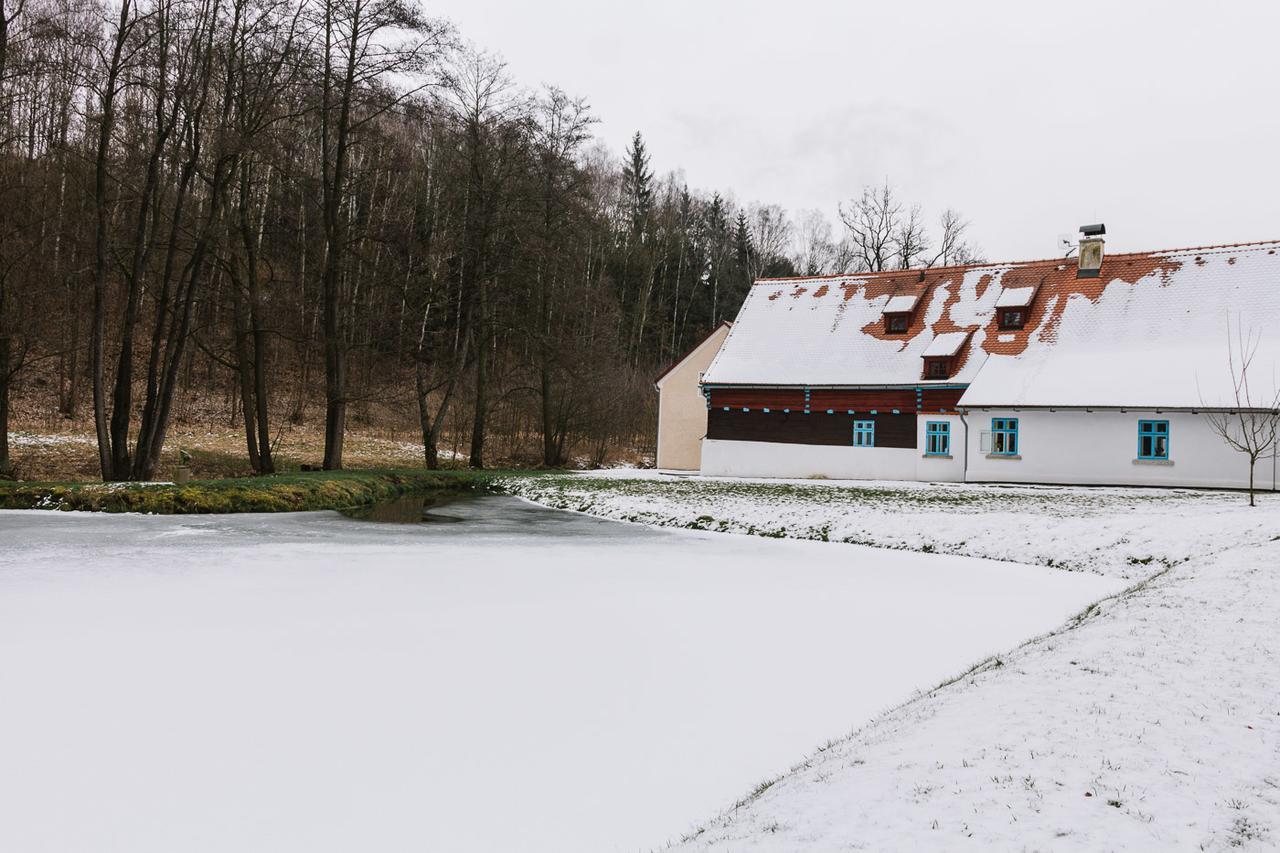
1216,249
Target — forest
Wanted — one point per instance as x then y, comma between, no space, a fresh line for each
336,212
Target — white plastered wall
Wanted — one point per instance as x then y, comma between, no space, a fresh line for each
1101,448
948,468
722,458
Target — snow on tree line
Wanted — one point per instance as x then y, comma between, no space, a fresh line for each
306,204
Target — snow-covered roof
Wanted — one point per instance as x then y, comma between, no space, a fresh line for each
1155,336
902,303
1016,297
1151,331
831,331
945,345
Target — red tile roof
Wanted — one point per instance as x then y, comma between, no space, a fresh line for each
829,330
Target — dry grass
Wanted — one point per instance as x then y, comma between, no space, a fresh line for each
72,454
381,434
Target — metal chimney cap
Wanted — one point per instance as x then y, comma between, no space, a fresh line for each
1093,230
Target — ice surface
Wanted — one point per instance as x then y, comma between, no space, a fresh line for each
525,680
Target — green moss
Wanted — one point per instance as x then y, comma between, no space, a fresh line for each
293,492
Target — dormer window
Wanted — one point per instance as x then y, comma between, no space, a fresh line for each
1012,318
943,354
1013,306
898,312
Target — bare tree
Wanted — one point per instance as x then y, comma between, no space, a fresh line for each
873,223
952,249
490,116
1250,426
366,46
770,237
911,240
115,65
815,251
883,235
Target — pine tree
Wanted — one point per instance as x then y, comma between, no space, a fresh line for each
637,184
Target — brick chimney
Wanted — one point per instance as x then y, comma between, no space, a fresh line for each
1089,258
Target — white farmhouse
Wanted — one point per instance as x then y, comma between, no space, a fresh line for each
1088,370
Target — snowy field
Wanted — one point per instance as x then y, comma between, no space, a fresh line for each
1151,724
521,680
1127,533
1155,725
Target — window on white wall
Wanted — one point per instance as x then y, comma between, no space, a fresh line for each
1004,436
937,438
1153,439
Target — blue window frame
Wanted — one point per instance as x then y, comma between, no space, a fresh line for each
1004,436
937,438
1153,439
864,433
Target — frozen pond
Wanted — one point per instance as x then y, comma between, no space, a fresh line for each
523,680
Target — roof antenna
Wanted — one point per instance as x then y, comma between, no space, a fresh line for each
1067,244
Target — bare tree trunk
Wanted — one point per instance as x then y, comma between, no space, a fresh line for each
6,350
155,418
244,375
122,396
334,162
550,447
476,459
430,454
97,350
265,464
335,375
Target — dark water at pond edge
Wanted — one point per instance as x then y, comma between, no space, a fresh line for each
412,509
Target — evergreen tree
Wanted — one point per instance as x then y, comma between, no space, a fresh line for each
637,185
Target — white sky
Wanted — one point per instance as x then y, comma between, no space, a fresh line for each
1161,119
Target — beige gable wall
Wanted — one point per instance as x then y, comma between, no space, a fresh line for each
682,410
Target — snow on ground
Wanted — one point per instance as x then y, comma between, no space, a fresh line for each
1122,532
18,440
521,680
1155,725
1152,724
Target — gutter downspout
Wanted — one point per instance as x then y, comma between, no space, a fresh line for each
964,471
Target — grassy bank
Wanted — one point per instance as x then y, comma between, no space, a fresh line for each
276,493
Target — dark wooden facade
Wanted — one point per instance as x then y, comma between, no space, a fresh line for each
823,416
935,401
796,427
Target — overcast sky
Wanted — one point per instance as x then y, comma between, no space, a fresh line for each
1160,118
